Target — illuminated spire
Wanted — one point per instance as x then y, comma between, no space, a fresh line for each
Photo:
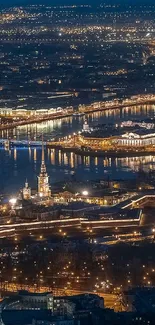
43,178
43,167
43,154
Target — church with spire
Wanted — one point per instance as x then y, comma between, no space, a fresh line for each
26,191
43,178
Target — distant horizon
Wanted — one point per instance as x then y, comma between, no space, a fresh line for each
66,2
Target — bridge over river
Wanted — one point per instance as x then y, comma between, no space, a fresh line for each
8,142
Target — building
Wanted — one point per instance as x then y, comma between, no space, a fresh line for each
45,309
86,127
137,140
36,301
43,179
57,321
38,212
140,299
105,198
25,300
112,217
63,306
76,209
26,191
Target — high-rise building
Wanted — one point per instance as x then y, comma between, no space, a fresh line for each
43,179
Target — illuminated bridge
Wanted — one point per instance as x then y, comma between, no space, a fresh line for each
7,142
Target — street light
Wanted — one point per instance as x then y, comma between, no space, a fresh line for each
85,193
13,201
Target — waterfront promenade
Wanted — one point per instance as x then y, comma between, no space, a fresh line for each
25,118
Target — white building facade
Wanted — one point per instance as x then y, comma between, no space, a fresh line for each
136,140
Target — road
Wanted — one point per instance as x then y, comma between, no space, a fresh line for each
110,300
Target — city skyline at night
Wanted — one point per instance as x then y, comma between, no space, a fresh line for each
65,2
77,162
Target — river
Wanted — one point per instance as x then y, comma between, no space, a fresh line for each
18,164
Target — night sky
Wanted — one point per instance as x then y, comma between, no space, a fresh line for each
10,2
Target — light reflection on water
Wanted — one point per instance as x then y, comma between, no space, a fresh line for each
18,164
69,125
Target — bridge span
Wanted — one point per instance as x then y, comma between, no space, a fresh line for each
8,142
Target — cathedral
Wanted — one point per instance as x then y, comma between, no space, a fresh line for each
44,190
43,179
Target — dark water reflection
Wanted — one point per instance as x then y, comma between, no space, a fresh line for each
19,163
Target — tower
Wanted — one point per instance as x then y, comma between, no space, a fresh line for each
86,127
26,191
43,178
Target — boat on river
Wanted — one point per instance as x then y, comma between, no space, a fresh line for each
78,114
